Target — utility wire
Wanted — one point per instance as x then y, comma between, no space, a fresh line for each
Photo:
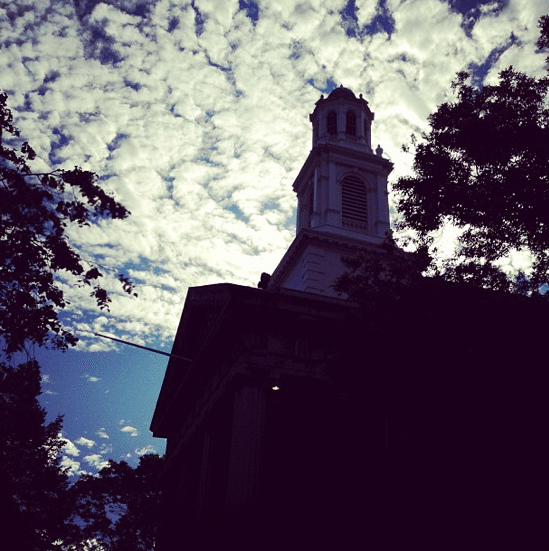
144,347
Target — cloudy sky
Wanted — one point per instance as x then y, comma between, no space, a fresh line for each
195,115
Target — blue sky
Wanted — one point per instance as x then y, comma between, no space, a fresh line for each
107,399
195,115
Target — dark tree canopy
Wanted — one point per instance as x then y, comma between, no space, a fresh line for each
35,211
484,167
33,486
118,508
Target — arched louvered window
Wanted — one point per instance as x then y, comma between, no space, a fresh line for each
354,203
332,123
351,124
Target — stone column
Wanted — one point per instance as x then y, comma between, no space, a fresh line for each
246,447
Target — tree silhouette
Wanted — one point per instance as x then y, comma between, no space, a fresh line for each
118,507
450,371
35,211
483,167
32,484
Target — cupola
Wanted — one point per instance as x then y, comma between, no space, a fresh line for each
342,117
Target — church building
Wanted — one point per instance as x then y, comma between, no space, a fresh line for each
248,407
295,421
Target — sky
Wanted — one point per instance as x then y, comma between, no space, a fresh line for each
195,116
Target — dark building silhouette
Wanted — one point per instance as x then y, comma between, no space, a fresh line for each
301,421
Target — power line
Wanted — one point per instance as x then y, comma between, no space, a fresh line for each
144,347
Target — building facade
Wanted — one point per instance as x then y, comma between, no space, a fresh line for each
296,420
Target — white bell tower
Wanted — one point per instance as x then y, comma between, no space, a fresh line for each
342,197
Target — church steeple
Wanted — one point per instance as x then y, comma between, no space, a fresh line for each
341,191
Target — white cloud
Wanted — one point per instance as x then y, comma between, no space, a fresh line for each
201,135
102,433
105,449
69,448
96,460
92,379
72,466
85,442
46,380
132,431
144,450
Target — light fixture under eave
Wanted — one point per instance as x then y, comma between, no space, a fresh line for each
275,387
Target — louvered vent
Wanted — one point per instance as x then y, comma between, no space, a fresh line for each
310,204
354,203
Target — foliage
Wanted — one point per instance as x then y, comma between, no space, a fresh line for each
483,167
378,278
35,211
118,507
32,484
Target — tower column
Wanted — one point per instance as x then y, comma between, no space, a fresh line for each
333,211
